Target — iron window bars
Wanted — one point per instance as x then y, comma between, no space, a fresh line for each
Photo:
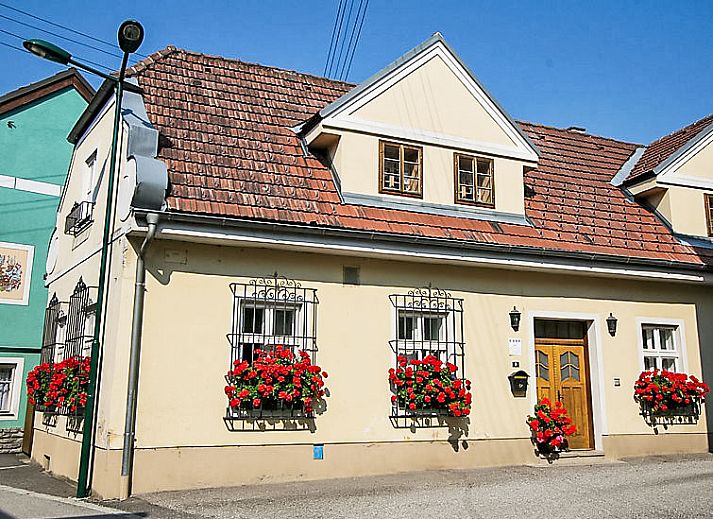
428,321
79,218
67,334
268,312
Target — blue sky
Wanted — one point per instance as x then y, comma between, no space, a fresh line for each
633,70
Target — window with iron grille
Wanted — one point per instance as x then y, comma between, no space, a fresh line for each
80,324
428,321
78,218
51,334
270,312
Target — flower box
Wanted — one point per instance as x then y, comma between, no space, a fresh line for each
59,388
428,387
276,385
668,398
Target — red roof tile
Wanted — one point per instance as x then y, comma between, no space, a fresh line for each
661,149
231,153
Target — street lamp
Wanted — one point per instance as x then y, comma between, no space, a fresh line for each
130,36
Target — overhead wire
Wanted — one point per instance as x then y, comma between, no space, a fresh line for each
331,39
336,41
83,60
12,46
348,63
93,47
346,32
64,27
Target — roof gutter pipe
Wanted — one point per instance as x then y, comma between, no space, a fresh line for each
127,453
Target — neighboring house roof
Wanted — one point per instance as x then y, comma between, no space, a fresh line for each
230,152
666,147
69,78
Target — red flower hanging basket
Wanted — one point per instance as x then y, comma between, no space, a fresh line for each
550,427
667,397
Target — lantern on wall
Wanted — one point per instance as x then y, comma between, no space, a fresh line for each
611,324
515,318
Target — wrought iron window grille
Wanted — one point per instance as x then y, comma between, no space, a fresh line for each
269,312
79,218
428,321
67,334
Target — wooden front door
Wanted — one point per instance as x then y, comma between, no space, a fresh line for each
563,374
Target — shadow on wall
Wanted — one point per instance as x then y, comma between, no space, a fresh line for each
704,316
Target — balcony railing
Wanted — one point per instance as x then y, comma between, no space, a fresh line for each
78,218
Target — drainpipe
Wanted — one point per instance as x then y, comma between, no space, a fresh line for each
127,453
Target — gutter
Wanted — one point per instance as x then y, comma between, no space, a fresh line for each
494,252
127,453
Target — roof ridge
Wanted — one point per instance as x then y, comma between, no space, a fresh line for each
550,127
683,129
151,60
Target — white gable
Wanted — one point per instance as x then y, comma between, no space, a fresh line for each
428,95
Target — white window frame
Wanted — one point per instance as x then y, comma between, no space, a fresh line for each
440,346
679,341
15,386
89,191
268,337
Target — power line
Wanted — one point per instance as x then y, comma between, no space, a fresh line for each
336,41
60,36
12,47
60,26
83,60
346,32
331,39
348,63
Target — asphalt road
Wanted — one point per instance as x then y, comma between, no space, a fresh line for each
650,488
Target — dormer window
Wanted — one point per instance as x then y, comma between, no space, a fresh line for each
474,180
709,214
400,168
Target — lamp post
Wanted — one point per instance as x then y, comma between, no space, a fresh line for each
130,36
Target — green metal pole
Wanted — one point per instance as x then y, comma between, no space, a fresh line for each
83,486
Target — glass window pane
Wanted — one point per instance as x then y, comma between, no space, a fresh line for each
432,328
391,152
407,325
484,166
485,196
648,338
465,164
252,319
284,321
6,373
668,363
543,371
666,335
649,363
411,155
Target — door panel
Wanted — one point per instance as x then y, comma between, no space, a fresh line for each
567,380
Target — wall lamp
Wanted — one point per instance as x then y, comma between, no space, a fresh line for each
515,318
611,324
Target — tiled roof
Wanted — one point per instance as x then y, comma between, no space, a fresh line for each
230,152
663,148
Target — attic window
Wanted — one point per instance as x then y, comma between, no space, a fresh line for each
400,169
709,213
474,180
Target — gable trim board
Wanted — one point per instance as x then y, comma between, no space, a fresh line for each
215,230
337,114
23,96
666,170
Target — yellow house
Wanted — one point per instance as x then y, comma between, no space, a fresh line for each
408,215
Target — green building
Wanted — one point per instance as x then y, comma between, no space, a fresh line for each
34,158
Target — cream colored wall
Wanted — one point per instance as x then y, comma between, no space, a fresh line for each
700,165
356,160
684,208
433,99
355,324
